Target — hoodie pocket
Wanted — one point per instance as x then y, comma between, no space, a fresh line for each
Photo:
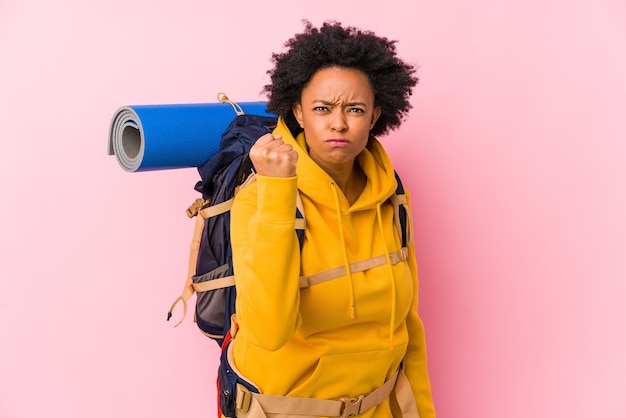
350,374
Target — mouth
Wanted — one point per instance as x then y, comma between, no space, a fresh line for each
337,142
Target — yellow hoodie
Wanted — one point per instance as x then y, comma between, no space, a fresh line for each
343,337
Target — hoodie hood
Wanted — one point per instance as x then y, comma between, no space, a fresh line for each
381,183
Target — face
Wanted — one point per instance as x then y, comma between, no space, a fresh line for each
337,112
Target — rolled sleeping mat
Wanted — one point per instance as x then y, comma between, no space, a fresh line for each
168,136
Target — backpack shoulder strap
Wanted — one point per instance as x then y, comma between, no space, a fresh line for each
402,213
300,220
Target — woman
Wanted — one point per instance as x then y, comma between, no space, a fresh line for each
345,338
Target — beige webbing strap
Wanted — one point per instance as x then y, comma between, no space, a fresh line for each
210,211
214,284
258,405
404,396
300,222
201,211
356,267
188,289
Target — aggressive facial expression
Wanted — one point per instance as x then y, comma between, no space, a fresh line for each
336,111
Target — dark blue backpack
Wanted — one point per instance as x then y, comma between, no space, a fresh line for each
210,274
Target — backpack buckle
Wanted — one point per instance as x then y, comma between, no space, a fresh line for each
243,398
351,406
195,208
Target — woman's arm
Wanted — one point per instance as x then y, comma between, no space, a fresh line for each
266,259
415,364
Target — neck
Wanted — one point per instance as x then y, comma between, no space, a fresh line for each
351,181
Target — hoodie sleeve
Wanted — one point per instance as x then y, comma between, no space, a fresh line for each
266,260
416,367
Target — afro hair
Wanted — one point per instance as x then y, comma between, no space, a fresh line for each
333,45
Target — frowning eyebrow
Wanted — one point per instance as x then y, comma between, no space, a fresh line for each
327,103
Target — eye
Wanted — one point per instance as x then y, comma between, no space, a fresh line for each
320,109
356,110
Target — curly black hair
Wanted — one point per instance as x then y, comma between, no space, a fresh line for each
333,45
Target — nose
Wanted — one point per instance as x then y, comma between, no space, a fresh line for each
338,121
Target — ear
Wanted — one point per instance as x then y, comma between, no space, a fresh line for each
375,115
297,111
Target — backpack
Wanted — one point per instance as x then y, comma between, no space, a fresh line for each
210,271
210,274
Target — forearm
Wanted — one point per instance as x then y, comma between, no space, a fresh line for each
266,258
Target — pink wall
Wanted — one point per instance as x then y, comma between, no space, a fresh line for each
514,153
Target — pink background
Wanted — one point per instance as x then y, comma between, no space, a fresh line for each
515,154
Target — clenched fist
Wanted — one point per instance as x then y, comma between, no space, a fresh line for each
273,158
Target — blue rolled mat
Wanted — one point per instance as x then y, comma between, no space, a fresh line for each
168,136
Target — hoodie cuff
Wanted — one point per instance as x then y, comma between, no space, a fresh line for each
277,198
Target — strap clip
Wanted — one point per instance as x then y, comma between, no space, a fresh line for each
243,398
351,406
195,207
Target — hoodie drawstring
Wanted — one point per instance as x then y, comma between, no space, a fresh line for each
346,261
390,268
343,247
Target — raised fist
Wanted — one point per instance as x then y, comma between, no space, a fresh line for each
273,158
